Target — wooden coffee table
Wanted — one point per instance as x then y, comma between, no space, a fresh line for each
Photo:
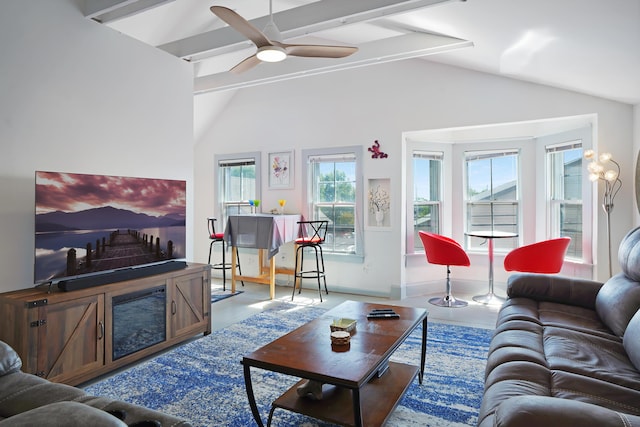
362,387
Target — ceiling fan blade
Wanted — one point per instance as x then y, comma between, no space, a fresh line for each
246,64
319,51
241,25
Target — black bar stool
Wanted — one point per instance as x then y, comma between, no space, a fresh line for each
312,235
224,265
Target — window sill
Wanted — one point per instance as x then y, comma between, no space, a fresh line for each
338,257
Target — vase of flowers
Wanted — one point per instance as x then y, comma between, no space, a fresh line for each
378,203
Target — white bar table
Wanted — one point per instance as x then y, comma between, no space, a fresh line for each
490,297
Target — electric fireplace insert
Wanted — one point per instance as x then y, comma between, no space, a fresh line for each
139,320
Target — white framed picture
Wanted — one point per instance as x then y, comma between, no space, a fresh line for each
281,169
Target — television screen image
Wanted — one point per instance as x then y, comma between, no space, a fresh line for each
85,224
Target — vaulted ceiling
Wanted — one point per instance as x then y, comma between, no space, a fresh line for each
590,46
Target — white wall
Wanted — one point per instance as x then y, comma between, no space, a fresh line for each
380,103
76,96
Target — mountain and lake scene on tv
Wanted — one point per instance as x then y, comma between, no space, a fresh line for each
85,224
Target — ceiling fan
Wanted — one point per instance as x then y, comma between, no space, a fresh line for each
269,42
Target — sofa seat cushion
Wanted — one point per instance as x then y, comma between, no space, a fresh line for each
509,379
569,386
549,412
516,340
590,356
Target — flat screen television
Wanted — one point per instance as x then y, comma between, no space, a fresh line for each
88,224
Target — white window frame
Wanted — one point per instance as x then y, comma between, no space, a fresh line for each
448,216
243,206
308,211
414,245
554,203
589,203
501,245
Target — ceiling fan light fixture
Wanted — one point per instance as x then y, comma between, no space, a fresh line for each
271,54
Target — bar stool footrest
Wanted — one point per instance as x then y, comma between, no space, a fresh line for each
221,266
310,274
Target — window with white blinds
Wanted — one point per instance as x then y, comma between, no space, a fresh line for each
492,195
333,188
564,193
427,194
238,182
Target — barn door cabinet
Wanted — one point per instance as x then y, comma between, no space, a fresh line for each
72,337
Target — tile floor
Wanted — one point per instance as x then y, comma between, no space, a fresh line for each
255,297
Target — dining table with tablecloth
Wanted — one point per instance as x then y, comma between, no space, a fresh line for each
266,233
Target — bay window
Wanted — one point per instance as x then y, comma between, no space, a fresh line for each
491,196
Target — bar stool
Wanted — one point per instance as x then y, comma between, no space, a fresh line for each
224,266
312,235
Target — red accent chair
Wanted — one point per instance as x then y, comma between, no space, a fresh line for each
217,237
444,251
541,257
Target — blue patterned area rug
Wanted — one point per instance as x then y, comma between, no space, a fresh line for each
202,381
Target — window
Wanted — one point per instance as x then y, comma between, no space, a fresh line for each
427,194
238,182
334,193
564,194
492,195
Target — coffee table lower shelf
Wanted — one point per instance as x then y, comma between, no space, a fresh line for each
378,398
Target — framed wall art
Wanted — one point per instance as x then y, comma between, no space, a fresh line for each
281,169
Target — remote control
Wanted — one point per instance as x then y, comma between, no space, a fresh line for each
383,316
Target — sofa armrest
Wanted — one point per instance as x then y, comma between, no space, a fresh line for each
133,414
69,414
547,411
9,360
554,288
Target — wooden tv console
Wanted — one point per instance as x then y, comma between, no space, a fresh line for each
67,336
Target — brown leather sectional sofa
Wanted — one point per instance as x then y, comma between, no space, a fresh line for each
566,352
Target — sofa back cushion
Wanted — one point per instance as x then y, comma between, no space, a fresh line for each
631,340
629,255
619,298
617,301
9,359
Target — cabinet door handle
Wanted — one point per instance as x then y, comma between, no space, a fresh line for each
173,307
100,330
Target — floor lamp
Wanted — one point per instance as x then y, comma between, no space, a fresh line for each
612,185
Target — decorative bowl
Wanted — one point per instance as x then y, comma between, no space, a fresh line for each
343,324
